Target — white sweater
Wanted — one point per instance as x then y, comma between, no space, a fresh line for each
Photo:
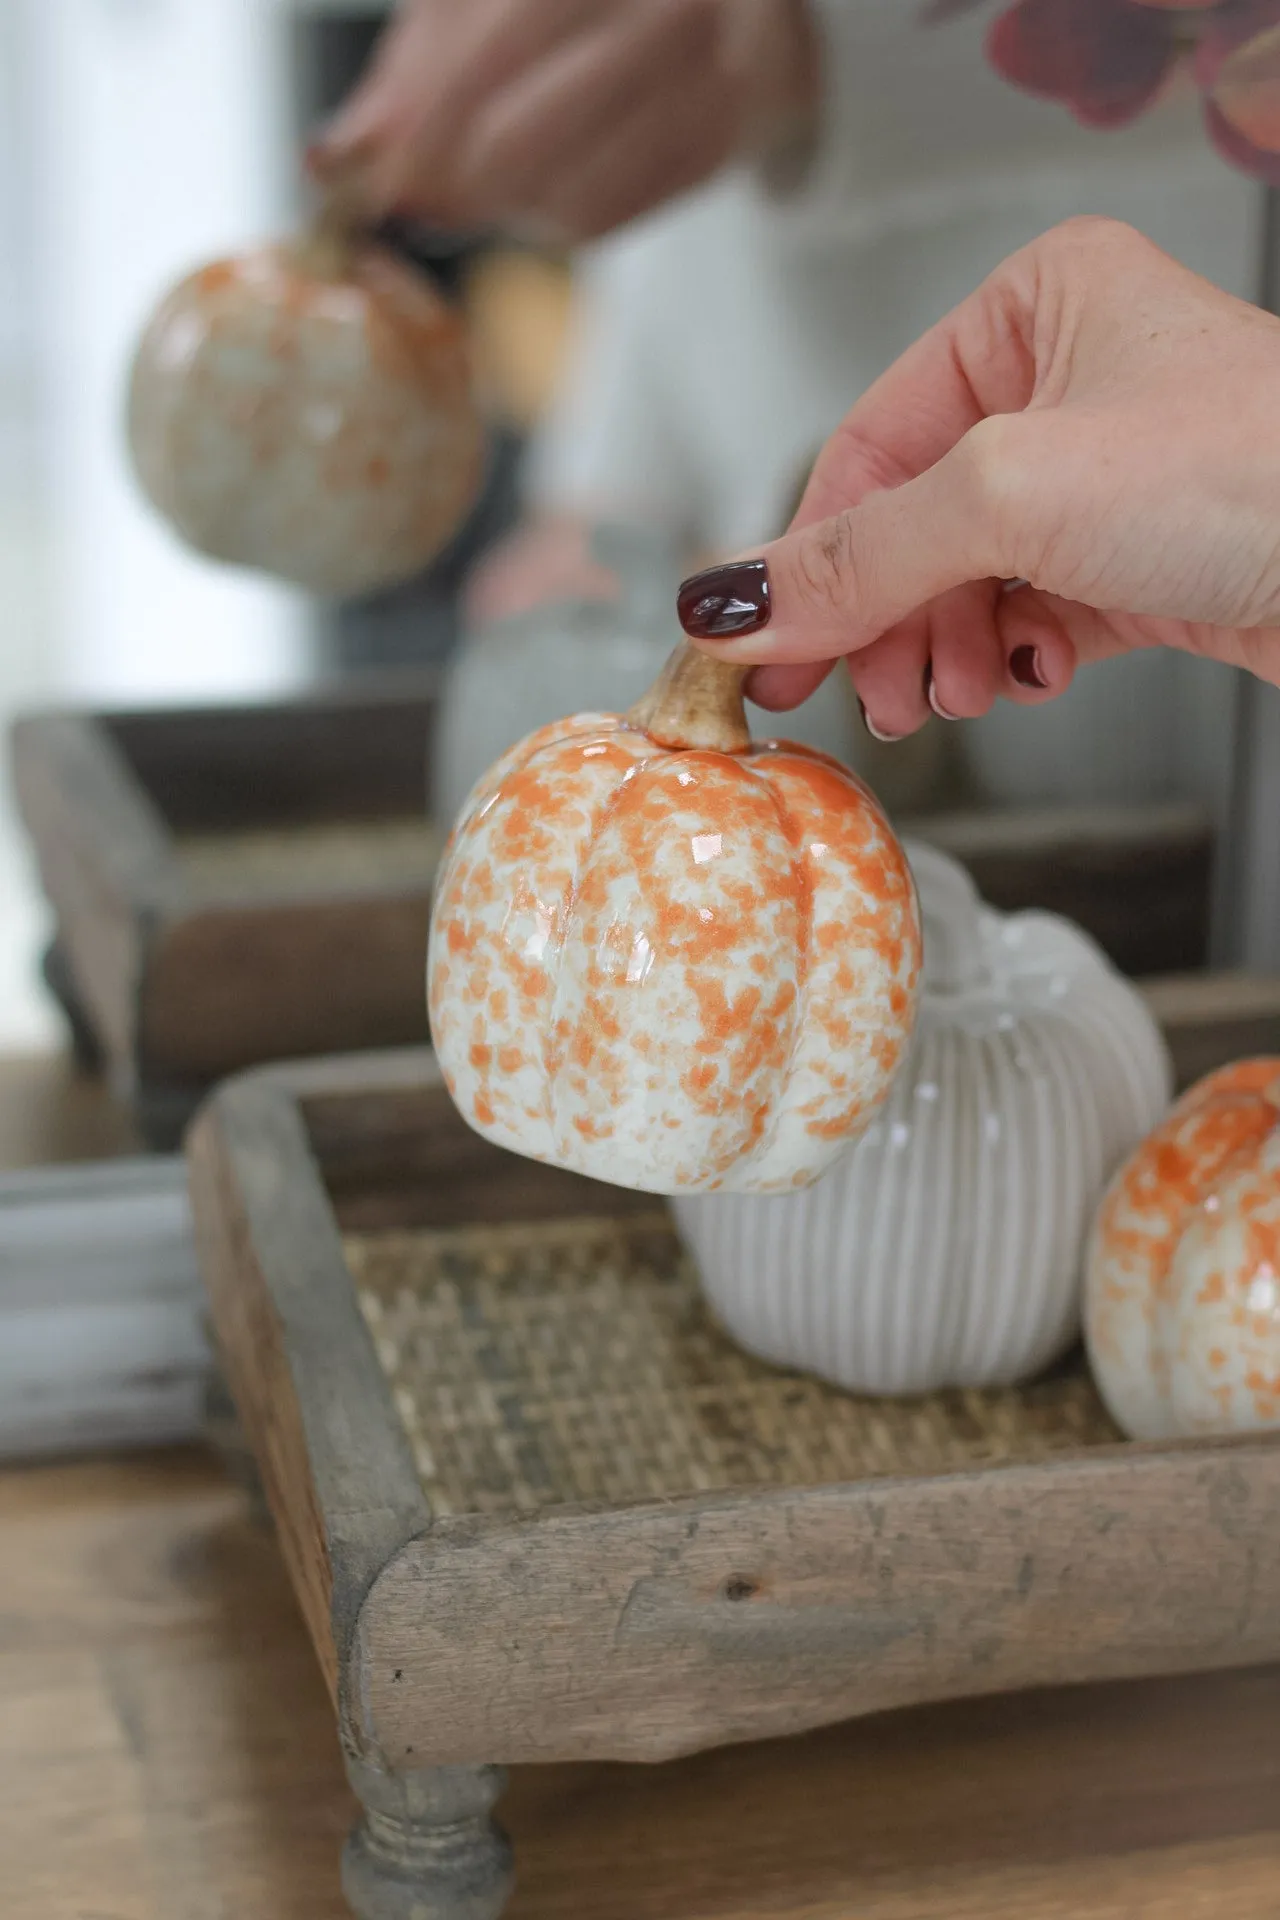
724,337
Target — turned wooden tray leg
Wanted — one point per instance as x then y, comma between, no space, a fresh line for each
428,1847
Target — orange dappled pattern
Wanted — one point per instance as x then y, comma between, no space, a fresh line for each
631,940
1189,1231
306,409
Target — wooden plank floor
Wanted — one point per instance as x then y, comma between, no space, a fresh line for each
49,1112
167,1753
167,1750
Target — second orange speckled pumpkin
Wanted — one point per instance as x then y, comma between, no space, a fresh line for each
1182,1282
670,958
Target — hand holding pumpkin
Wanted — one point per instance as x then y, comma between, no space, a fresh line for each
1095,421
570,116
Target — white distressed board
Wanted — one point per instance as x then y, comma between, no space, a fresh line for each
101,1337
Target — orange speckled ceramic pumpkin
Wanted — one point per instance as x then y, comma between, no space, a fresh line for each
306,410
669,957
1182,1289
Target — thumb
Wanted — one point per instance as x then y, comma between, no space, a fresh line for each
833,587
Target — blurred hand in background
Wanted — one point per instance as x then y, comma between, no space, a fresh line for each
563,119
543,560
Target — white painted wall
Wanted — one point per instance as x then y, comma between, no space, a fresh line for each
16,211
160,134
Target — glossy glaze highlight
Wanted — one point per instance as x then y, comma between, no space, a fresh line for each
677,970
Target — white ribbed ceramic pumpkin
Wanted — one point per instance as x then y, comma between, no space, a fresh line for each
306,410
670,958
944,1248
1182,1302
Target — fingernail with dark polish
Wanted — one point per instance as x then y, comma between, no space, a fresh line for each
886,739
725,601
1024,665
931,695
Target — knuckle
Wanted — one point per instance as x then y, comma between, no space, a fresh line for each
1097,234
990,458
827,567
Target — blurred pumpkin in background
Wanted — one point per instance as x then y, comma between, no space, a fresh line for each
306,410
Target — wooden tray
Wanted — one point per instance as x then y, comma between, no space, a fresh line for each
233,885
535,1507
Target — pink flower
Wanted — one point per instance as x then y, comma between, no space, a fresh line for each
1237,68
1108,61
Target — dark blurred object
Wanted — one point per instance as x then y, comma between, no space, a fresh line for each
417,623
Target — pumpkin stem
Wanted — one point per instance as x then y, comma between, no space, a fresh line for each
325,249
696,702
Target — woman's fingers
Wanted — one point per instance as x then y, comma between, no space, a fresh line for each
403,132
500,109
383,132
1038,643
778,689
955,658
659,148
966,651
947,660
833,587
890,678
966,666
549,136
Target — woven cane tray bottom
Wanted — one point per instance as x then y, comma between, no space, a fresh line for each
330,857
535,1366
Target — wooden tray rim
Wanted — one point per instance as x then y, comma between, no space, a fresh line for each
134,846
